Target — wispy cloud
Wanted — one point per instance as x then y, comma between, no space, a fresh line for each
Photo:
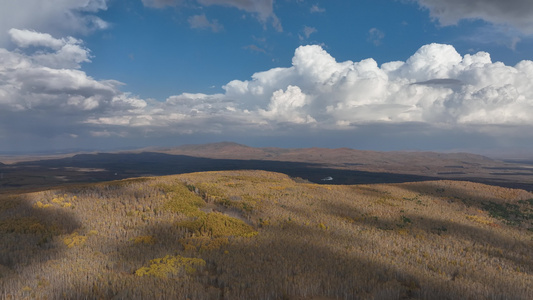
263,9
307,31
375,36
255,48
514,13
496,35
201,22
161,3
316,9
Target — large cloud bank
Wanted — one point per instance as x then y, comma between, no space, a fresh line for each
43,91
436,85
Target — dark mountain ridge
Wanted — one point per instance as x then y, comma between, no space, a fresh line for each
343,165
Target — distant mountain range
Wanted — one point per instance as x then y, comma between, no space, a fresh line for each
230,150
428,163
343,165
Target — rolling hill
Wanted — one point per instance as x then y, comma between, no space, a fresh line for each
262,235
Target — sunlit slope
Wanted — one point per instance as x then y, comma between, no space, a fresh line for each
261,235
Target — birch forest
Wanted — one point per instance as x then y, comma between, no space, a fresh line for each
263,235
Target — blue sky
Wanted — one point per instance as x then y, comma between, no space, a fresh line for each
179,58
381,75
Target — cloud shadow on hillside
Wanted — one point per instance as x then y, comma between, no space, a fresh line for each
475,236
297,264
29,235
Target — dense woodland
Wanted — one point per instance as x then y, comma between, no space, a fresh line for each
262,235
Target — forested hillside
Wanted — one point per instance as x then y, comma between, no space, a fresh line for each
263,235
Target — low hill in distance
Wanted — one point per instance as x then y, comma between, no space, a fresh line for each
343,166
420,163
263,235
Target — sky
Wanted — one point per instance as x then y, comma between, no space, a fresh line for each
365,74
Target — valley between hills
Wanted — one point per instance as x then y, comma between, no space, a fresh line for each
227,221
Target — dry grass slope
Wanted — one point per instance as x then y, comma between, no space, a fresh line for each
261,235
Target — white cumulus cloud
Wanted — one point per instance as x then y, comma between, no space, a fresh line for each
436,85
43,92
62,53
286,106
